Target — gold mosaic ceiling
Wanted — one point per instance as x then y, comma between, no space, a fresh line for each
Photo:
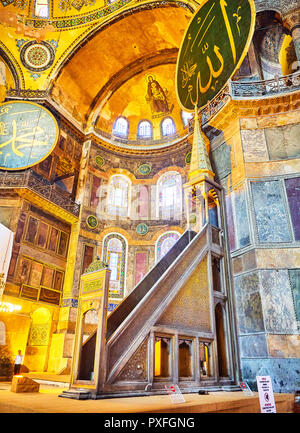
107,77
99,56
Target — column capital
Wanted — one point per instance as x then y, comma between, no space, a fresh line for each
292,19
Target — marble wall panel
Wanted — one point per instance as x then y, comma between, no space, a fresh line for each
293,194
245,262
221,160
294,275
230,222
141,259
241,219
253,346
254,145
277,302
95,191
283,142
270,213
284,372
284,346
248,301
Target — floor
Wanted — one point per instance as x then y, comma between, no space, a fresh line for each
47,400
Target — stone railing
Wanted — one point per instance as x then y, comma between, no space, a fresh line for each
265,88
138,141
32,181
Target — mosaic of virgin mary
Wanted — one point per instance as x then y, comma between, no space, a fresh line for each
157,98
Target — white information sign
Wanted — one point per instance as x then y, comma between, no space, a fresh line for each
266,396
175,394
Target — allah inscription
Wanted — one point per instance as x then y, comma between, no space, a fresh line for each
213,48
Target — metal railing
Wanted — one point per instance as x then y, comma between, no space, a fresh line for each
32,181
265,88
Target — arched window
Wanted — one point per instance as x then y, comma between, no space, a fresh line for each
114,254
164,243
144,129
121,127
169,195
118,197
41,8
186,117
168,127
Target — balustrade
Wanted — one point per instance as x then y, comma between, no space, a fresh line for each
234,90
32,181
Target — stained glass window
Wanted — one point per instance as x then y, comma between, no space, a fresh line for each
144,129
164,244
118,196
169,196
168,127
41,8
121,127
114,254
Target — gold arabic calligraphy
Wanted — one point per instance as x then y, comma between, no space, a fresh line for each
27,140
189,68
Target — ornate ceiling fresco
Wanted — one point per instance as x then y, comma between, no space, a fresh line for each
94,57
117,54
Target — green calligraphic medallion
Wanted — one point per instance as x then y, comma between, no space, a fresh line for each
213,48
142,229
99,160
144,169
28,134
92,221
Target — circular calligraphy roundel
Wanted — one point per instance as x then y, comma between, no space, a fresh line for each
28,134
213,48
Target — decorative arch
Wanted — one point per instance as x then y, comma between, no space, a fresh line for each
114,253
164,243
90,33
13,66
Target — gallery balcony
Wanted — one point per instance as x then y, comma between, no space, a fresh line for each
265,88
41,193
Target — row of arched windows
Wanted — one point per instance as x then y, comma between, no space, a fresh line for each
168,196
145,128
